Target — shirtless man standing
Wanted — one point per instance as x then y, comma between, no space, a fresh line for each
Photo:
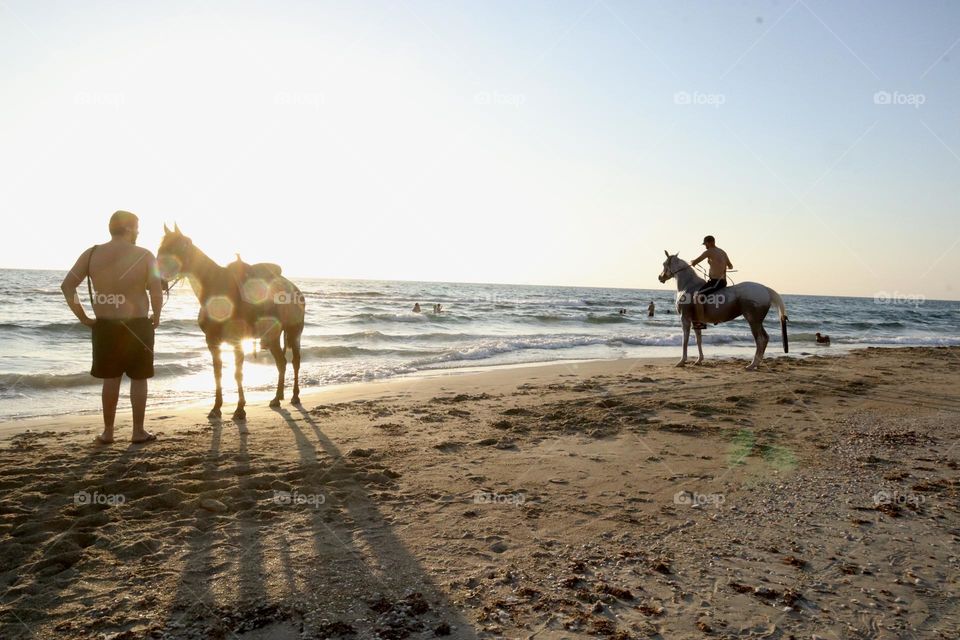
719,263
122,335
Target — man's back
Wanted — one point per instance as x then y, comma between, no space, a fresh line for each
120,272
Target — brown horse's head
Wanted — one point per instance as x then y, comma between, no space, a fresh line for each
174,254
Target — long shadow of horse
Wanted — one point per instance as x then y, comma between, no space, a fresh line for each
60,532
307,553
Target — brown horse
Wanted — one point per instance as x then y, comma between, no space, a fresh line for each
236,302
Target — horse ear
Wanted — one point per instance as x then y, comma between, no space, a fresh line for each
666,253
166,229
176,229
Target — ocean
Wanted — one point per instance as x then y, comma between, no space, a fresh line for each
361,330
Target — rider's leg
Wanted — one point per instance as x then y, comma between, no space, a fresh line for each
698,299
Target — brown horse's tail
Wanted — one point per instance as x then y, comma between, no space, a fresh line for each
777,300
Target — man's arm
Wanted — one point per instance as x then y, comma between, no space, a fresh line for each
155,289
703,256
69,288
729,264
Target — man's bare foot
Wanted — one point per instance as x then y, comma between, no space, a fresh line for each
146,437
103,438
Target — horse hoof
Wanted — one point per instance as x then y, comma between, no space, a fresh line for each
698,362
681,363
240,414
214,413
752,367
275,403
295,400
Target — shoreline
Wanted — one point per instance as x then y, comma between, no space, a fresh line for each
354,390
346,392
262,396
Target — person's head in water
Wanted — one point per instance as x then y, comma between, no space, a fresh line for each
124,225
709,242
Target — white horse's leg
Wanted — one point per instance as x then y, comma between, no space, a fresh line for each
686,341
756,328
765,340
699,337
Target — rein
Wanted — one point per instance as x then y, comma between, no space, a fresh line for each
703,273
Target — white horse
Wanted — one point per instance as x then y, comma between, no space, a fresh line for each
749,299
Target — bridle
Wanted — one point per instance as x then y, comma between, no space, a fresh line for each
671,274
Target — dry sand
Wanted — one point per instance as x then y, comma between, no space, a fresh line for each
625,499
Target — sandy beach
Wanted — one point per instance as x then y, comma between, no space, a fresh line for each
817,498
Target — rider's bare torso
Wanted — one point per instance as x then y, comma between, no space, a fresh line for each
718,260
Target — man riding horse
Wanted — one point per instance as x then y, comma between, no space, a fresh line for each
719,263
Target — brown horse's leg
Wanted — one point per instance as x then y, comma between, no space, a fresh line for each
295,344
217,370
240,413
281,360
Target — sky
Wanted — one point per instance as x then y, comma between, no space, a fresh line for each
556,142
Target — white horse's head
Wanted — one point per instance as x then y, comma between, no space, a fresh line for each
671,266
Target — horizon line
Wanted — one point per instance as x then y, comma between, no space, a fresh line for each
520,284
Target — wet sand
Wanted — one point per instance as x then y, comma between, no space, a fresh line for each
623,499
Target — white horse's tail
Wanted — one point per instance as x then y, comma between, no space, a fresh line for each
777,300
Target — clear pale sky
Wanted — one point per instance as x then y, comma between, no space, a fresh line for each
507,141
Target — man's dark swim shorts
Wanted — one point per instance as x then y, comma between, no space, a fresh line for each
122,347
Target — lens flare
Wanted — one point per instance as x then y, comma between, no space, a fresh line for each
268,329
169,266
219,308
256,291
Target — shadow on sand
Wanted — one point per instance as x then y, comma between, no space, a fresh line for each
293,549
